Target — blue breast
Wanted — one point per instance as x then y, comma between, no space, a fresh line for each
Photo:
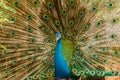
61,67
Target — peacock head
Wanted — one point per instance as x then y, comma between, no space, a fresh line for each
58,36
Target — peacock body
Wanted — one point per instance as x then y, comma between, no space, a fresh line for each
45,39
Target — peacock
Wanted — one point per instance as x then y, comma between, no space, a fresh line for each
59,39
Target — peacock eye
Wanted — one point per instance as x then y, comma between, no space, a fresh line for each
32,40
73,35
71,23
6,71
45,29
102,73
15,61
25,52
91,47
17,4
73,58
35,76
77,48
49,75
35,3
72,62
50,70
29,17
116,73
42,74
85,28
95,55
79,52
13,33
82,73
86,70
13,19
39,49
94,9
97,36
57,23
92,73
49,40
103,49
77,73
30,78
71,3
25,67
114,20
65,32
116,52
81,59
81,14
75,70
46,60
113,36
110,4
50,5
83,39
45,75
34,57
5,52
98,24
46,17
98,72
113,72
25,79
17,46
64,13
104,60
30,29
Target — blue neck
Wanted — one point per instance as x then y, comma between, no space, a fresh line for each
61,67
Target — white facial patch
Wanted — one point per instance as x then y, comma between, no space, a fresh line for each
58,36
